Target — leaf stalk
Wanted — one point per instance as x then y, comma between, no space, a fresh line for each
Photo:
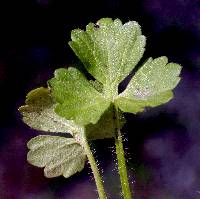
121,159
95,170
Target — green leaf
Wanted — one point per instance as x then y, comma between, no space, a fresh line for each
109,50
109,53
59,155
77,99
151,86
39,114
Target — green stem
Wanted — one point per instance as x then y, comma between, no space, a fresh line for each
121,159
97,177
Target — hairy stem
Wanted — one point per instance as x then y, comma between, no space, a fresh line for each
121,159
97,176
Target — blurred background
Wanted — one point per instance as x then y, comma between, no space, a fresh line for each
162,144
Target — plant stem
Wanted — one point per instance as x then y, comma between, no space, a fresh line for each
97,177
121,159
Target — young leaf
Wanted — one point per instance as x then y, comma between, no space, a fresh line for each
78,99
59,155
39,113
109,50
151,86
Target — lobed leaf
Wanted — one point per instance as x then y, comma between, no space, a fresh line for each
109,50
39,113
151,86
77,99
59,155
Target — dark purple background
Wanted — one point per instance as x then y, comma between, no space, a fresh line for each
163,144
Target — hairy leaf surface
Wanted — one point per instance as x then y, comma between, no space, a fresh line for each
77,99
109,50
39,113
59,155
151,86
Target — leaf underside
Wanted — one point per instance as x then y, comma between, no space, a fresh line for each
39,113
59,155
109,50
73,104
